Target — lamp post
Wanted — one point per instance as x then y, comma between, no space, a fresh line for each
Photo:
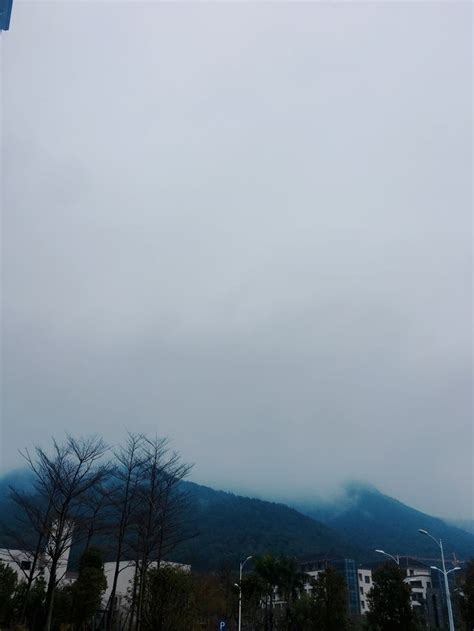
241,567
445,574
396,559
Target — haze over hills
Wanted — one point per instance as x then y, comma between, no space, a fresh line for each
229,527
370,520
464,524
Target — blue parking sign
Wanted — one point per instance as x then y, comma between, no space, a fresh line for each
222,625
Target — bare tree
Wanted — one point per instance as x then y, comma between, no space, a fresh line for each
160,522
29,536
62,481
126,477
33,515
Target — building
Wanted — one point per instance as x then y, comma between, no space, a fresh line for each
364,579
347,568
126,577
427,589
21,561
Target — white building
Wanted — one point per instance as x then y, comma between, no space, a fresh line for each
126,577
364,577
21,561
418,577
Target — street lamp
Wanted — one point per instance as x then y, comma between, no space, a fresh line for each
445,574
241,567
455,569
396,559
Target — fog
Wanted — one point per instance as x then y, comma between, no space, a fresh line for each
246,227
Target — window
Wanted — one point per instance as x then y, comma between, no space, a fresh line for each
367,579
362,604
361,590
360,577
25,565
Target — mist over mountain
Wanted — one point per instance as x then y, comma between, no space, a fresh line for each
360,519
373,520
262,251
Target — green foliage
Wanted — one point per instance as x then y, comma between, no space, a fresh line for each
330,601
230,527
169,600
8,584
303,613
215,598
87,591
370,520
325,608
273,578
389,601
31,603
465,595
63,607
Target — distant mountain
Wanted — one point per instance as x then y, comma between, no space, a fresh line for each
230,527
464,524
371,520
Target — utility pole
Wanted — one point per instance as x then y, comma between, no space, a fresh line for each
445,574
241,567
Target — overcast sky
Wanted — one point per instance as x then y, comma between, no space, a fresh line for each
245,227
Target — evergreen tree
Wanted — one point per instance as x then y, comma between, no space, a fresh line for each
330,601
8,585
87,591
465,596
168,603
389,601
30,602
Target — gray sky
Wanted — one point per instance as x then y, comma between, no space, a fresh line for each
246,227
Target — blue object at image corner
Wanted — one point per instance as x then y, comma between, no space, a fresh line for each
5,14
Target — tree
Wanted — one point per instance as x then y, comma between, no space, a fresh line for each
30,602
254,592
126,476
32,518
303,614
389,601
168,601
8,585
278,577
465,596
63,608
329,596
87,591
161,518
214,600
290,585
267,568
54,507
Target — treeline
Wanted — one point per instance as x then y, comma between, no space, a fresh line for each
127,503
276,597
173,600
83,491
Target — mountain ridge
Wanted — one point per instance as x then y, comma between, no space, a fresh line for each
374,520
230,526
